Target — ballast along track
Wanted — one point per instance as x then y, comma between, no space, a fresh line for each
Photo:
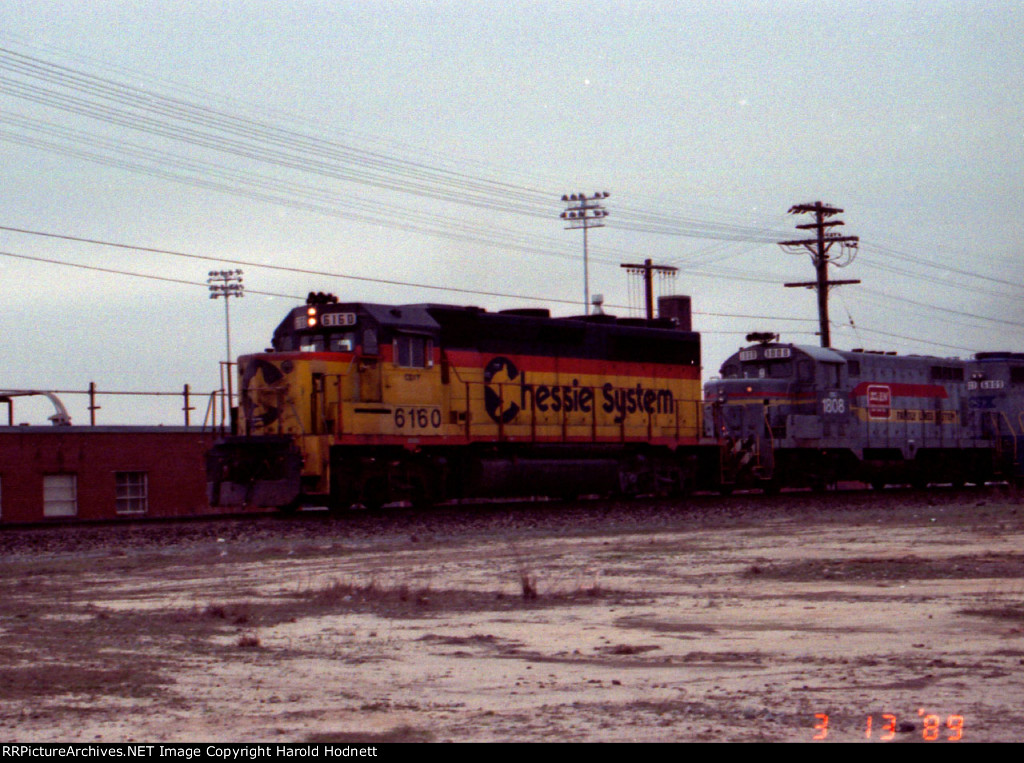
451,521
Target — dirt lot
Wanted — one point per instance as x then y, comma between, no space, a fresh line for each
726,620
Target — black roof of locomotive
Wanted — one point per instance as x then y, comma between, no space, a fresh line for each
530,332
523,331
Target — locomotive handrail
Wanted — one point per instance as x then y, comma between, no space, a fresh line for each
1013,434
1009,424
771,440
210,417
338,420
298,419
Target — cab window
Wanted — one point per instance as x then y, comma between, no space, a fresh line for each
312,343
831,374
370,342
770,370
345,342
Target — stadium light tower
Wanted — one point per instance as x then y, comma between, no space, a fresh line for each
227,284
584,212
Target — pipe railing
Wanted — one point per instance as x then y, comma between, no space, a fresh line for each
217,415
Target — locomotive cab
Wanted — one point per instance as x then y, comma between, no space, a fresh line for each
772,397
360,370
335,357
995,391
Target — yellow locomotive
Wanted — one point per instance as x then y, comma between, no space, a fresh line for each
369,404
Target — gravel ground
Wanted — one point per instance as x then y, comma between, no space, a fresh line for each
850,616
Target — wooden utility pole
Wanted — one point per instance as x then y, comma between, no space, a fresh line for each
647,271
819,247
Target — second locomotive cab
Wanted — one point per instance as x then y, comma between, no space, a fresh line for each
359,403
790,415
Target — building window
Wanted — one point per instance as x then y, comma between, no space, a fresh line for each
60,495
132,492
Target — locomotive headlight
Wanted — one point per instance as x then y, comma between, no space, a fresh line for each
311,317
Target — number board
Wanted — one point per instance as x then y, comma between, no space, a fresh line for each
337,320
768,353
834,404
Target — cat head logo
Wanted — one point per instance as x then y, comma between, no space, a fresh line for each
501,389
264,385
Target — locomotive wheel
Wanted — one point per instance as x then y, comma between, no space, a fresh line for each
375,493
423,497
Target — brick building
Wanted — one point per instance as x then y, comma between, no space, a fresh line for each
95,472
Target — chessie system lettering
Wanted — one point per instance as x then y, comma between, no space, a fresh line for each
622,401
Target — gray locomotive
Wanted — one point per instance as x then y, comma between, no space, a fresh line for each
791,415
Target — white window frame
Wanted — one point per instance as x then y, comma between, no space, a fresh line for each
60,495
131,492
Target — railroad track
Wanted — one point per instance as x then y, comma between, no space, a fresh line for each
453,521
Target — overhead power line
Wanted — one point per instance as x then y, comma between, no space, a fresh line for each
147,111
197,141
295,270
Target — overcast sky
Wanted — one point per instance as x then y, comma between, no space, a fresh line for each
416,144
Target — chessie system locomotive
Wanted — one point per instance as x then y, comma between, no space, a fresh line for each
368,404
